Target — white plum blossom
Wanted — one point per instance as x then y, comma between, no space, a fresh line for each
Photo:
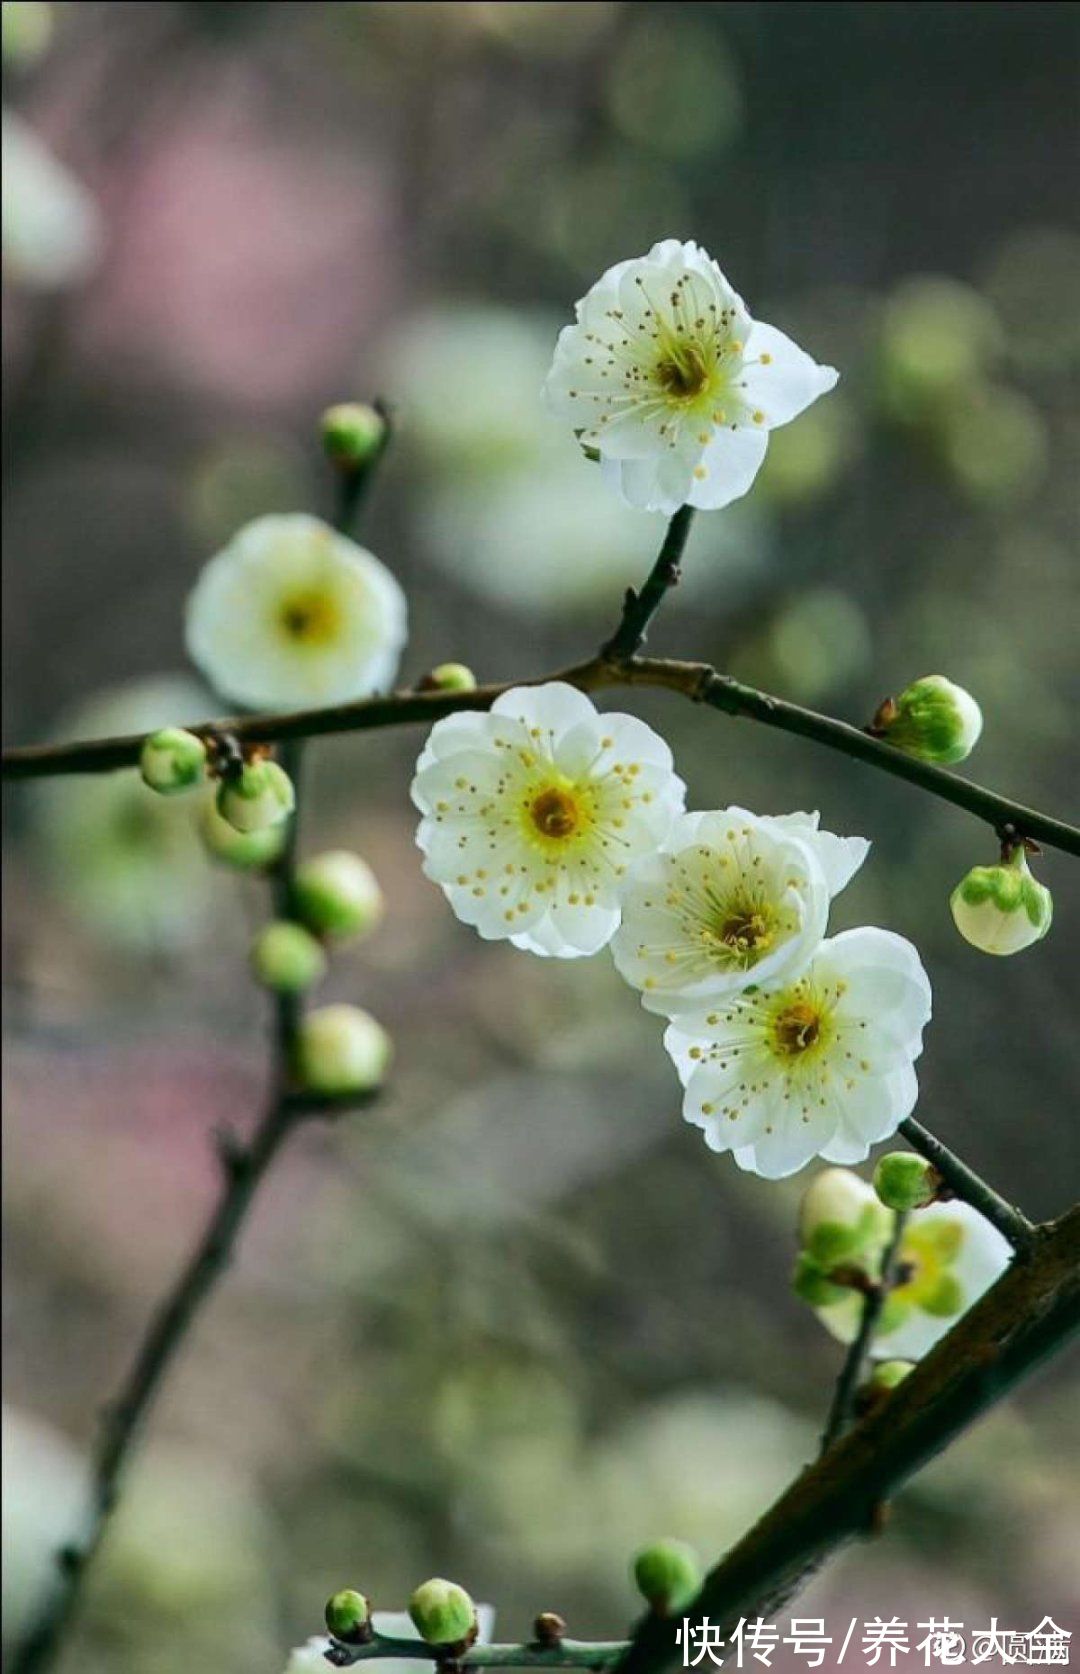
533,812
668,378
52,228
730,899
819,1065
291,612
949,1255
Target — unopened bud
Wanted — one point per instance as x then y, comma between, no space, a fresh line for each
549,1629
840,1218
449,677
933,719
1002,909
261,796
172,760
342,1049
904,1181
337,894
668,1575
245,850
443,1613
348,1616
353,434
287,959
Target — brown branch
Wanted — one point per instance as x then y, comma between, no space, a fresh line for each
1030,1313
873,1302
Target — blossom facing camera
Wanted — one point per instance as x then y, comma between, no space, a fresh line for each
533,813
668,1575
443,1613
348,1616
287,959
353,434
1002,909
342,1049
261,796
905,1182
172,760
337,894
820,1065
730,899
667,378
933,719
293,613
245,850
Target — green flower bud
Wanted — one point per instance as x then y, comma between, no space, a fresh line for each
840,1219
904,1181
668,1575
172,760
450,677
342,1049
244,850
811,1283
443,1613
337,894
347,1616
286,958
27,30
353,434
932,719
1002,909
888,1373
262,796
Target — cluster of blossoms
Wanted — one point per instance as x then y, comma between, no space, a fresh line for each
563,830
948,1254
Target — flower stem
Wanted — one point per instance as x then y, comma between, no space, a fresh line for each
964,1183
568,1653
640,608
851,1372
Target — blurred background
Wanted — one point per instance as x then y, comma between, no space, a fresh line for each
517,1319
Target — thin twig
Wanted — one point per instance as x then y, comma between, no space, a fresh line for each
873,1300
568,1653
640,608
964,1183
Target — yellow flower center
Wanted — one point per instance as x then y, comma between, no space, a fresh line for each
746,931
797,1028
555,812
684,371
310,618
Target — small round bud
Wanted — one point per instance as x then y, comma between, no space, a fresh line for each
667,1575
840,1219
450,677
549,1629
287,959
262,796
1002,909
244,850
337,894
353,434
888,1373
904,1181
442,1613
342,1049
932,719
172,760
347,1616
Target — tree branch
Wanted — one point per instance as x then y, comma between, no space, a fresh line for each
850,1373
964,1183
568,1653
640,608
697,681
1029,1313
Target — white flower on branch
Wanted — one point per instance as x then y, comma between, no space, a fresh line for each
818,1066
669,379
534,812
731,899
291,612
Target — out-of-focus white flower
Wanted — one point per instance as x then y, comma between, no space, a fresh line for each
730,899
533,813
950,1255
129,863
392,1624
342,1049
291,612
821,1065
666,375
1002,909
46,1494
52,230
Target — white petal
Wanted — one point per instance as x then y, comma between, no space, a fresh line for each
791,380
662,484
887,987
727,467
554,707
839,857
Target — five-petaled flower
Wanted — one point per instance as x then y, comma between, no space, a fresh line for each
533,812
291,612
729,900
668,378
821,1065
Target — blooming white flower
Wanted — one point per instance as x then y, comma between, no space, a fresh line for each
291,612
949,1255
52,231
533,812
730,899
667,376
820,1065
